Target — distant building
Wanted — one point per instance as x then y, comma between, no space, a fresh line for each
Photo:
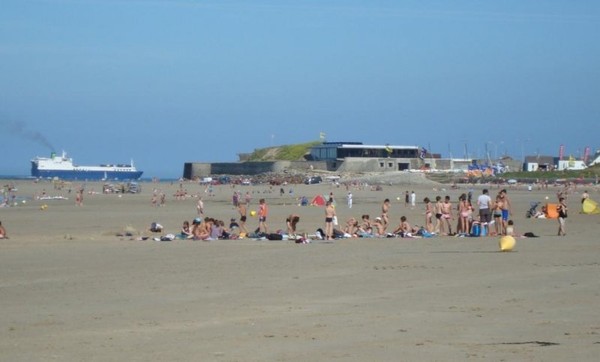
328,151
571,164
539,163
550,163
388,157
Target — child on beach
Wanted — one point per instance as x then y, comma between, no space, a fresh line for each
510,228
186,232
404,229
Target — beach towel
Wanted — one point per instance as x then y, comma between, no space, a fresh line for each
551,211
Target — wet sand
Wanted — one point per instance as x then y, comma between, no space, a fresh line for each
73,290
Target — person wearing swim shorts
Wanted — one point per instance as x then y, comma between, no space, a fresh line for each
329,215
484,204
447,213
439,226
428,214
506,209
263,211
385,208
242,210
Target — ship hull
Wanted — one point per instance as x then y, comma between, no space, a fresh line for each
87,175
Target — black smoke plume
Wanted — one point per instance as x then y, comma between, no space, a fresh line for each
18,128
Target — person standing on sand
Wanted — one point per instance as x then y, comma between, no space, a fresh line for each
235,199
79,197
406,199
464,211
562,215
200,206
385,208
349,199
413,199
428,215
447,213
584,196
329,215
497,215
484,204
263,211
506,209
243,216
439,225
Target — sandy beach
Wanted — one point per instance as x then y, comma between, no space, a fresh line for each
72,290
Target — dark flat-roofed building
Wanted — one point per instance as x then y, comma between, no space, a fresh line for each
331,151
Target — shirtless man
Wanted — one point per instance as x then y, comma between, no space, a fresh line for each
447,213
243,216
385,208
329,215
263,211
506,209
439,226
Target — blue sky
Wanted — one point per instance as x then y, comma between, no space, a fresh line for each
168,82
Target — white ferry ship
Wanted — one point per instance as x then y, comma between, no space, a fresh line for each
62,167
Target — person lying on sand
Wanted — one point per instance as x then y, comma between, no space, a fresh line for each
3,232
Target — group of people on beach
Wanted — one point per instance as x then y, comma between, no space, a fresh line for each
467,216
207,228
439,216
365,227
490,212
